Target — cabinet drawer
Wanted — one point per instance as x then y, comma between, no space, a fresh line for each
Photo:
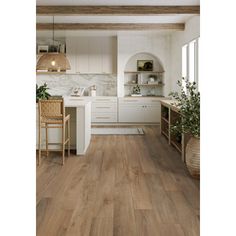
140,101
104,107
129,101
104,100
140,113
104,117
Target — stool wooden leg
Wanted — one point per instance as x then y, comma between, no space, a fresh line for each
39,142
46,140
68,137
63,144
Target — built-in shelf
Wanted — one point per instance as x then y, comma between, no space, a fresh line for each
177,146
165,134
164,119
150,81
170,114
47,73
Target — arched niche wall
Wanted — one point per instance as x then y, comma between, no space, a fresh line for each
131,64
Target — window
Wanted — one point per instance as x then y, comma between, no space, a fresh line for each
190,61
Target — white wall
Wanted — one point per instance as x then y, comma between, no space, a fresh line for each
129,45
178,39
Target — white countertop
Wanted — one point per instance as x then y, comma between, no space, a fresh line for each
171,103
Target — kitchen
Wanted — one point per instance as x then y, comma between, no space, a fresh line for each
126,118
115,82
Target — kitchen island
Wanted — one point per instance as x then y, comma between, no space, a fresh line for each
80,112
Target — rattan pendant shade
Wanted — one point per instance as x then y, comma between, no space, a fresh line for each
53,61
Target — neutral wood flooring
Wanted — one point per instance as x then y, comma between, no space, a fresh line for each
124,185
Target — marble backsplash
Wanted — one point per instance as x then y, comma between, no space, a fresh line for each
63,84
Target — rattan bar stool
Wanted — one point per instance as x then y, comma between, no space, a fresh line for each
52,115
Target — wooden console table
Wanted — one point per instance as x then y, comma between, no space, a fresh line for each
169,115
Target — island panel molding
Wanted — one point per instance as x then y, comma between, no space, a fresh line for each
111,26
116,10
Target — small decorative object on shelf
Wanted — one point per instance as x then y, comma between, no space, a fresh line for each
152,79
136,91
144,65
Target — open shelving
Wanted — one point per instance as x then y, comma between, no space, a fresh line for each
175,139
150,82
169,116
142,79
165,121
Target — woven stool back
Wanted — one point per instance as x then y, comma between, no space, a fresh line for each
51,108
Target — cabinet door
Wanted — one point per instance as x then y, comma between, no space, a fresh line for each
71,54
108,55
82,55
133,113
152,113
95,55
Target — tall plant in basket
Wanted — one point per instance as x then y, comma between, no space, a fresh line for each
188,101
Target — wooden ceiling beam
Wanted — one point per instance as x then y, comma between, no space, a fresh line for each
116,10
110,26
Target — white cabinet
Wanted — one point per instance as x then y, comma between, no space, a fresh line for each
104,110
95,55
92,54
143,110
82,63
109,55
71,54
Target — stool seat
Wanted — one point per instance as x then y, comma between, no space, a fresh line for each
52,115
54,120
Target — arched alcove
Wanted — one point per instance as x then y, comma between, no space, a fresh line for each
131,64
150,82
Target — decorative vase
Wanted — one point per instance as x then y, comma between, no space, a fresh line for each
193,157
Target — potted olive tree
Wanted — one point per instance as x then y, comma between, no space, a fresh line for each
188,101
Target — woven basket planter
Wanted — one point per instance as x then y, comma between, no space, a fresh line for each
193,157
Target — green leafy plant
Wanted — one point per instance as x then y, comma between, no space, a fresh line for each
189,104
136,89
41,92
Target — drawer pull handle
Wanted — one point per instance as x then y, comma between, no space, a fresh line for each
103,99
131,100
103,107
102,117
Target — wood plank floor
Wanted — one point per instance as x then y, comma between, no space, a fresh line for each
124,185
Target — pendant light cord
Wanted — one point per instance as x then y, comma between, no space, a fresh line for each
53,30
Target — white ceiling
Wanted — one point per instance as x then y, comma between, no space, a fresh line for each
118,2
173,18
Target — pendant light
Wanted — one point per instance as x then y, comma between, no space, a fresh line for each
53,61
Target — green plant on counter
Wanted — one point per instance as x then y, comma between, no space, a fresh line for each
41,92
189,104
136,89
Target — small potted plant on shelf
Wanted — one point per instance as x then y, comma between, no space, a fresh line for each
188,101
136,91
41,92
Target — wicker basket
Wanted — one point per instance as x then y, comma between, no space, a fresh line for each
193,157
